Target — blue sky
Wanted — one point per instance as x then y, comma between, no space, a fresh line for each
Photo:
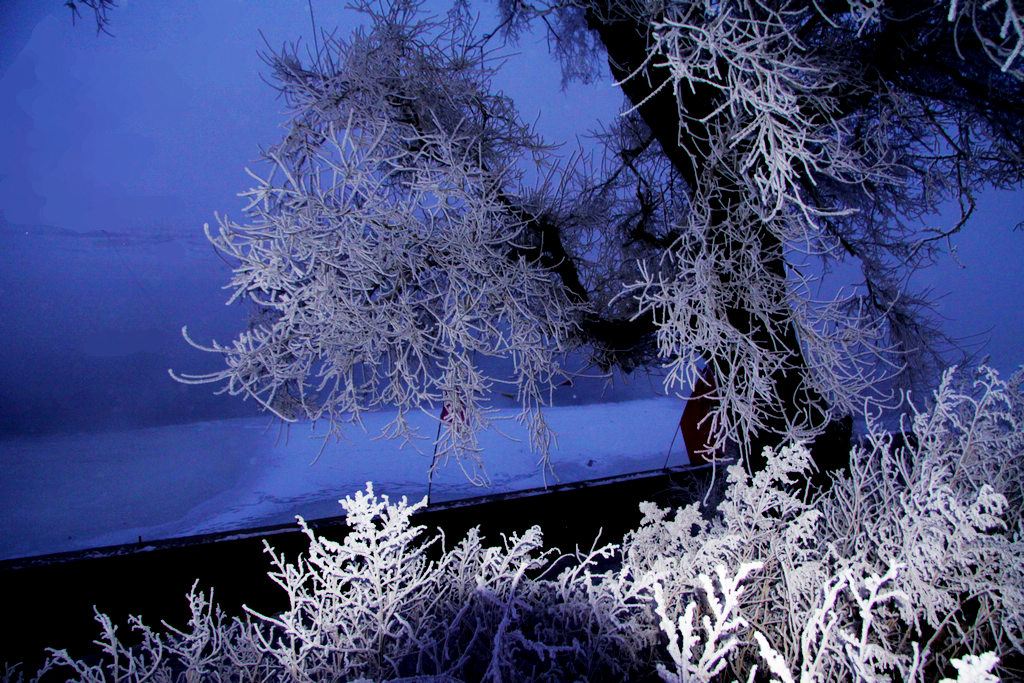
124,146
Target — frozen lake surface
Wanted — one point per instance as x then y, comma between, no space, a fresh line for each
72,492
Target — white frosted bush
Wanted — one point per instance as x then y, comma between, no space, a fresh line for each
938,509
358,606
941,505
212,647
974,669
909,568
717,637
390,602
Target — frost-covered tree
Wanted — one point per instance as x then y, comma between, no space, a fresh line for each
389,257
393,247
764,134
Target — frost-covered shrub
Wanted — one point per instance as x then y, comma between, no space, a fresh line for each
909,568
947,505
390,602
358,606
376,606
934,525
211,648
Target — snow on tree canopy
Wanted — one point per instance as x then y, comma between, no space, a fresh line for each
381,252
394,252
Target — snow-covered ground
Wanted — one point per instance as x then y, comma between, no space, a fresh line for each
70,492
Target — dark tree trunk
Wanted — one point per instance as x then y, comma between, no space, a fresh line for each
687,149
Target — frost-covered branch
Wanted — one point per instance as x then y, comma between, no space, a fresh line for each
380,250
766,147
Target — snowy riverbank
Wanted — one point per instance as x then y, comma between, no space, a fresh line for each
79,491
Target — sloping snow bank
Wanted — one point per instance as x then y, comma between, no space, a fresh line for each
80,491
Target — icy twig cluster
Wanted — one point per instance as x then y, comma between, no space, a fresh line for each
380,252
719,628
784,175
912,560
773,143
1003,44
